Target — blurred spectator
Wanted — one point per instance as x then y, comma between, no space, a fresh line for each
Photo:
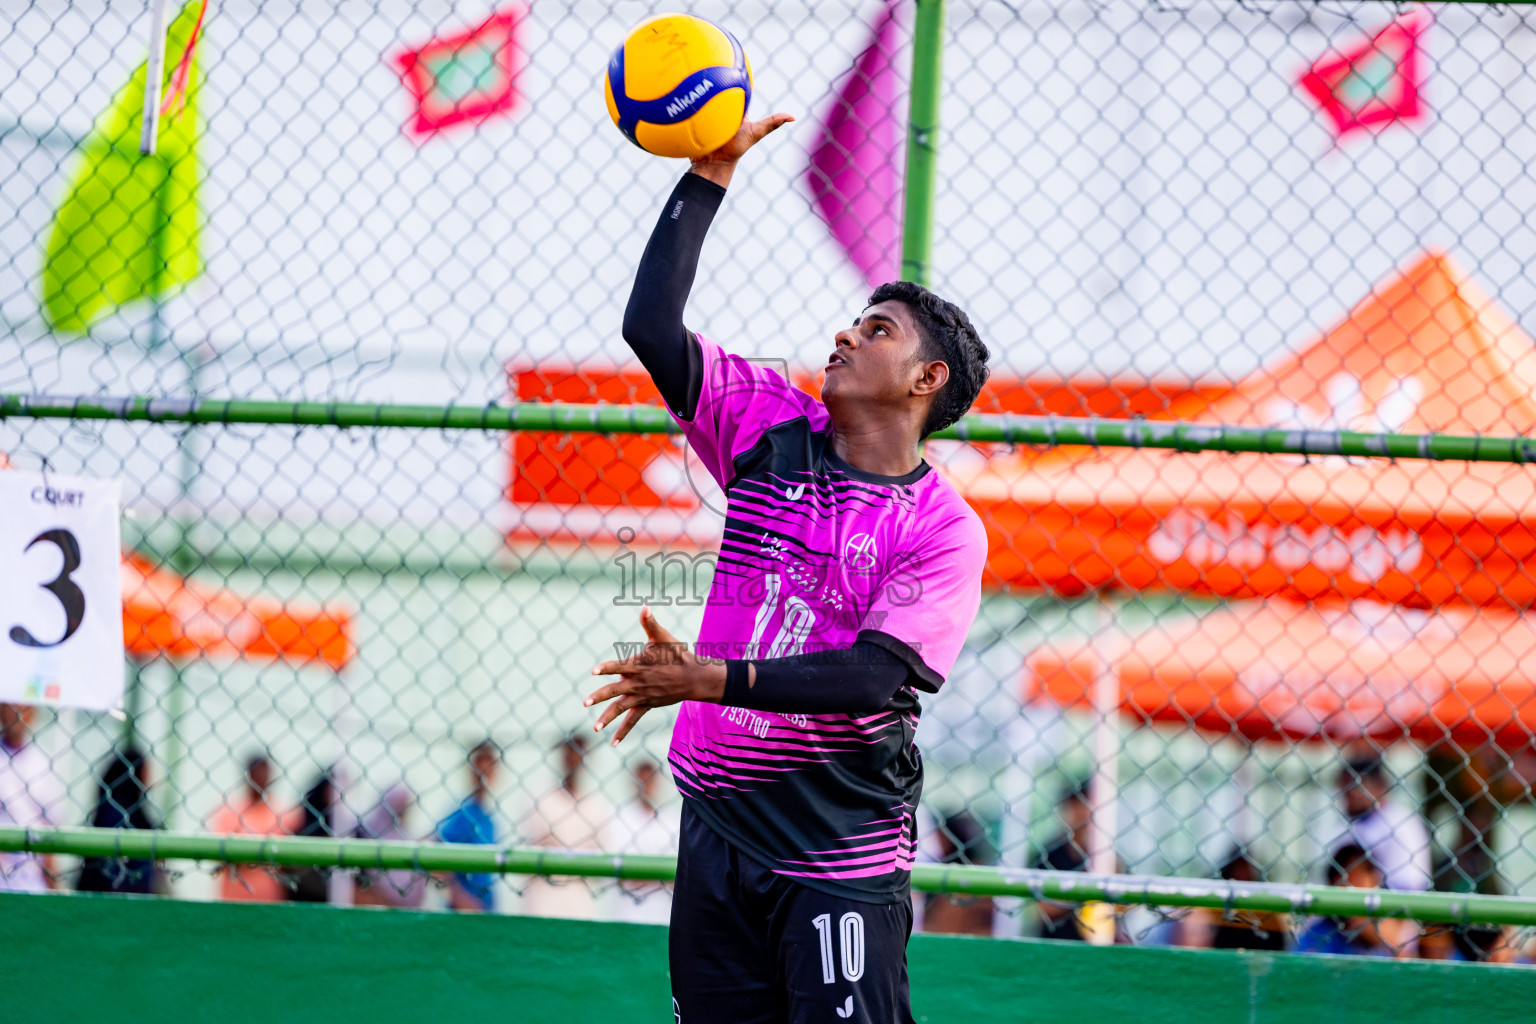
1480,943
398,888
30,797
1471,867
1209,928
1514,946
1472,786
1438,942
961,840
250,814
471,823
639,827
1353,867
570,818
315,817
122,801
1394,836
1067,853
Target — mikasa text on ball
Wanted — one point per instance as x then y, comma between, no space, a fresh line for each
678,86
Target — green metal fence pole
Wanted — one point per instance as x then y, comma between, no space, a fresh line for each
1056,886
561,417
133,701
922,142
184,559
133,698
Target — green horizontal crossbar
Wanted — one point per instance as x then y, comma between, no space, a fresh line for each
1048,431
1062,886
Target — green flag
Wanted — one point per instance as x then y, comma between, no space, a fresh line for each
128,227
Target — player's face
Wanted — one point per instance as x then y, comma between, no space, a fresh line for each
14,720
259,776
1362,876
876,359
483,768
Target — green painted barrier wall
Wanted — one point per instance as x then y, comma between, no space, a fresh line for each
102,959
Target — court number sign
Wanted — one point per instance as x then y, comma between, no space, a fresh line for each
61,599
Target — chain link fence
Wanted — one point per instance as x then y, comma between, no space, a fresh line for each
1183,211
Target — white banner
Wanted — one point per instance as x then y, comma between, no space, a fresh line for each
61,591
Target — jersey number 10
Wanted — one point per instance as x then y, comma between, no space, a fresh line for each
796,626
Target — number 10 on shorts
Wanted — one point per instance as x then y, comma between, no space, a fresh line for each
61,599
850,942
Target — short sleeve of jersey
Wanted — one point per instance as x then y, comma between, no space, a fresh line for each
50,798
739,400
30,794
223,821
924,608
456,828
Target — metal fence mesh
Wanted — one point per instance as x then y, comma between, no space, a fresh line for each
1146,211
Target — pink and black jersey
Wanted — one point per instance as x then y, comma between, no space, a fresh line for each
818,555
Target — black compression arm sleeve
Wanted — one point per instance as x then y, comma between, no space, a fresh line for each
653,320
857,680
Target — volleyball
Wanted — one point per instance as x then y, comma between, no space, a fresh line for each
678,86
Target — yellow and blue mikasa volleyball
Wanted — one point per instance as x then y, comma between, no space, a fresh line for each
678,86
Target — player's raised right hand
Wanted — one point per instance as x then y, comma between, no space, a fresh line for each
719,165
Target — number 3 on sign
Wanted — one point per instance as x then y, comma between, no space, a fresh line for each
61,613
70,596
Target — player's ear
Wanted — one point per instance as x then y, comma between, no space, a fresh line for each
931,377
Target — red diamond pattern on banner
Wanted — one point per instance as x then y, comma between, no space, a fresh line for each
469,76
1374,84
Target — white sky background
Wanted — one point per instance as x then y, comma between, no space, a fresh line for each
1123,190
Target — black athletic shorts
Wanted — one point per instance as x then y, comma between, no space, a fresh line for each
748,946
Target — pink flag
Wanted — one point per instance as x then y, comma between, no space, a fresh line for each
853,173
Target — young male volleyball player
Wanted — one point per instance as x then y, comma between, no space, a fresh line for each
849,574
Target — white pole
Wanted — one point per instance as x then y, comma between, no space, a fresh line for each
154,75
344,725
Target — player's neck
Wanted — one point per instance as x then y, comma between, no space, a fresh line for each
883,448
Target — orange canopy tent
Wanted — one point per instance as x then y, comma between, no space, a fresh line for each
584,488
1426,353
1273,669
164,614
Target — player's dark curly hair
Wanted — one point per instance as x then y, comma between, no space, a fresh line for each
949,337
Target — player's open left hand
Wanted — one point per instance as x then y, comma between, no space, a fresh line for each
664,672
